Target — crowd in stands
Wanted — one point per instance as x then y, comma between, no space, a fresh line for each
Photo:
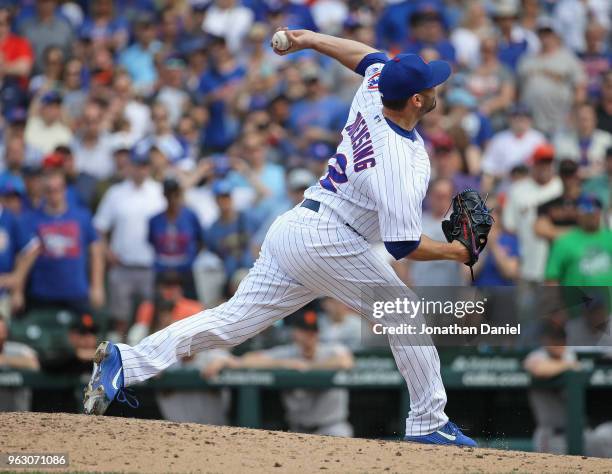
147,146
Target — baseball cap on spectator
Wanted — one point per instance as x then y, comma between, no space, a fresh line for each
171,185
568,168
139,154
520,110
199,5
174,62
407,74
31,170
222,187
588,204
300,178
519,171
193,45
120,150
442,142
543,153
85,325
305,318
351,22
144,19
547,25
169,278
505,9
53,161
424,12
461,98
11,185
310,73
51,97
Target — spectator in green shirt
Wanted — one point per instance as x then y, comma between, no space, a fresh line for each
583,257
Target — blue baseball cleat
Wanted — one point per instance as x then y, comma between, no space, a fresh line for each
449,435
106,383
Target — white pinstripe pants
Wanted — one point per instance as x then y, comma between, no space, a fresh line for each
306,255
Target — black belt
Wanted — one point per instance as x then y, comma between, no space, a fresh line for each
311,204
316,205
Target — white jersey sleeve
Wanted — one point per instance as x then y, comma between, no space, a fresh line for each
367,96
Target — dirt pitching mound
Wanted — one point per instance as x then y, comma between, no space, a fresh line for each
108,444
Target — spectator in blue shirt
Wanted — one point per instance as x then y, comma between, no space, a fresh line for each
498,265
139,58
131,10
14,155
514,40
319,115
104,27
392,26
229,236
298,180
69,267
176,236
284,13
32,179
463,114
253,171
218,86
13,251
596,58
16,119
81,187
12,192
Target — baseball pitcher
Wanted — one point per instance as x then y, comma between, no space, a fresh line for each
372,191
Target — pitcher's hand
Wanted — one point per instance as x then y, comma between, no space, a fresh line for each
298,40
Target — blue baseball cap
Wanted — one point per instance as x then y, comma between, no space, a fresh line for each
462,98
520,110
139,154
12,185
407,74
51,97
588,204
222,187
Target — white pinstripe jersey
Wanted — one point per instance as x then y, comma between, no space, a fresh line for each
377,180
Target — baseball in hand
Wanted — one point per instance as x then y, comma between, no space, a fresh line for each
280,41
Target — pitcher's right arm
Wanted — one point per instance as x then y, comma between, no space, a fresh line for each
347,52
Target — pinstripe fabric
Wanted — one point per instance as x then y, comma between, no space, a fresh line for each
310,254
306,255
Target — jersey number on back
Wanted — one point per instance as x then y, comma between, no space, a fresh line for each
336,173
